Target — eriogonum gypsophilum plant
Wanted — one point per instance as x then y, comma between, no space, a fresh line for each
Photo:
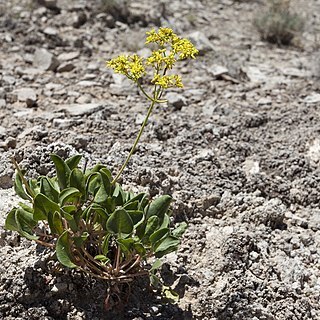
84,214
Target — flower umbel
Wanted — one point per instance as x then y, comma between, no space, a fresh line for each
162,37
130,66
184,48
166,82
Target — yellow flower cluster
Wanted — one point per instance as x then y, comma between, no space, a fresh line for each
130,66
180,46
172,48
159,60
184,48
168,81
162,37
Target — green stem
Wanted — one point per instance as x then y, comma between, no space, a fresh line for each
135,142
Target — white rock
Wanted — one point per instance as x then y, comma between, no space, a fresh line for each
45,60
217,70
50,31
2,103
251,167
314,150
27,95
82,109
264,101
312,98
67,56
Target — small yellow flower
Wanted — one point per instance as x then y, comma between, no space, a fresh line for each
162,37
130,66
160,61
184,48
168,81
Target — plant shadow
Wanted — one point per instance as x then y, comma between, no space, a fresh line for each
64,292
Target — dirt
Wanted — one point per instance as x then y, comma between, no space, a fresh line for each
239,151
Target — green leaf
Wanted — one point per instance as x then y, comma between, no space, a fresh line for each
19,188
105,244
156,265
25,224
142,199
93,183
77,180
154,280
34,187
180,230
126,245
102,258
136,216
47,188
42,206
63,250
158,235
10,223
62,169
106,172
57,221
120,223
159,207
101,211
80,240
152,225
104,190
140,249
167,245
165,222
94,169
26,207
73,162
134,205
170,294
69,195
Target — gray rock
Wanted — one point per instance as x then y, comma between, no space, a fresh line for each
80,20
50,4
201,42
6,173
50,31
217,70
2,103
175,100
65,67
3,131
82,109
65,123
312,98
67,56
45,60
27,95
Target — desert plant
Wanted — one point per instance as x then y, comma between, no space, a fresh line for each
84,214
278,24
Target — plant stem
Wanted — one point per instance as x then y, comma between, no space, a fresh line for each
136,141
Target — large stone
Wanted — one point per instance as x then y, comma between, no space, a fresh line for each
66,67
27,95
175,100
201,42
45,60
82,109
67,56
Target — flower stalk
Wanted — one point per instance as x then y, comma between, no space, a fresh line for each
171,49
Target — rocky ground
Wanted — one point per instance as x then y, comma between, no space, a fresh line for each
238,149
